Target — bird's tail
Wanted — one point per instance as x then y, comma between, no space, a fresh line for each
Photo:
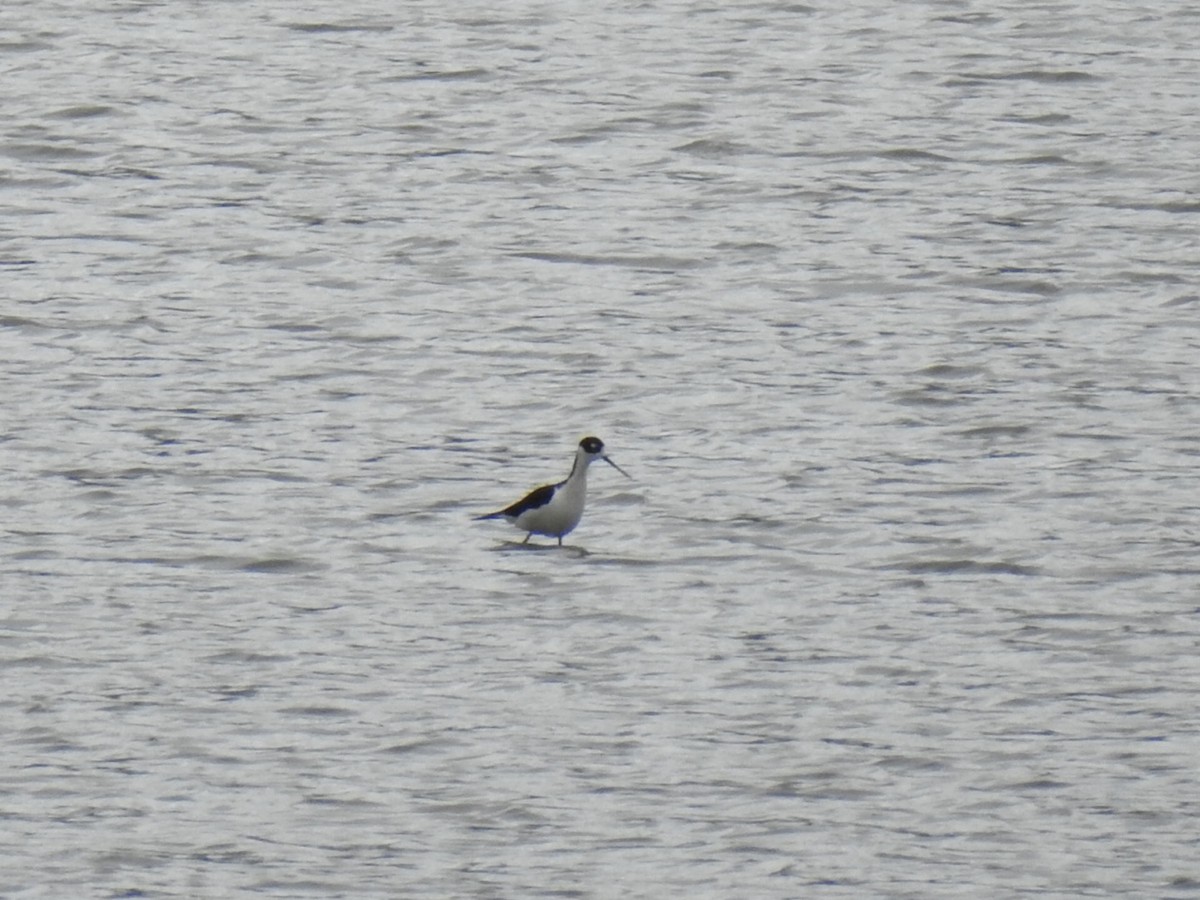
495,515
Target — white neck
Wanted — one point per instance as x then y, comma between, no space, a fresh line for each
580,466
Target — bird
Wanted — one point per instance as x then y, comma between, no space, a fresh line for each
554,510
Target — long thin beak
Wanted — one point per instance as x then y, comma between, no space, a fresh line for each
615,466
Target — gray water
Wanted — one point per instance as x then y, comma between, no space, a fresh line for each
889,308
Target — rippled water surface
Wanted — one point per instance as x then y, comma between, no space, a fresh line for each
890,309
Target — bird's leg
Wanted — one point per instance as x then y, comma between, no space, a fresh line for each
560,540
527,537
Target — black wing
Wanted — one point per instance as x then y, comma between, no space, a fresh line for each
535,498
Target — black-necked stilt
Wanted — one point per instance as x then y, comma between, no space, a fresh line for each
555,509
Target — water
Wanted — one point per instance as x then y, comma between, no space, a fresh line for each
889,309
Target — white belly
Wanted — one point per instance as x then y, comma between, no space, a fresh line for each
559,516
